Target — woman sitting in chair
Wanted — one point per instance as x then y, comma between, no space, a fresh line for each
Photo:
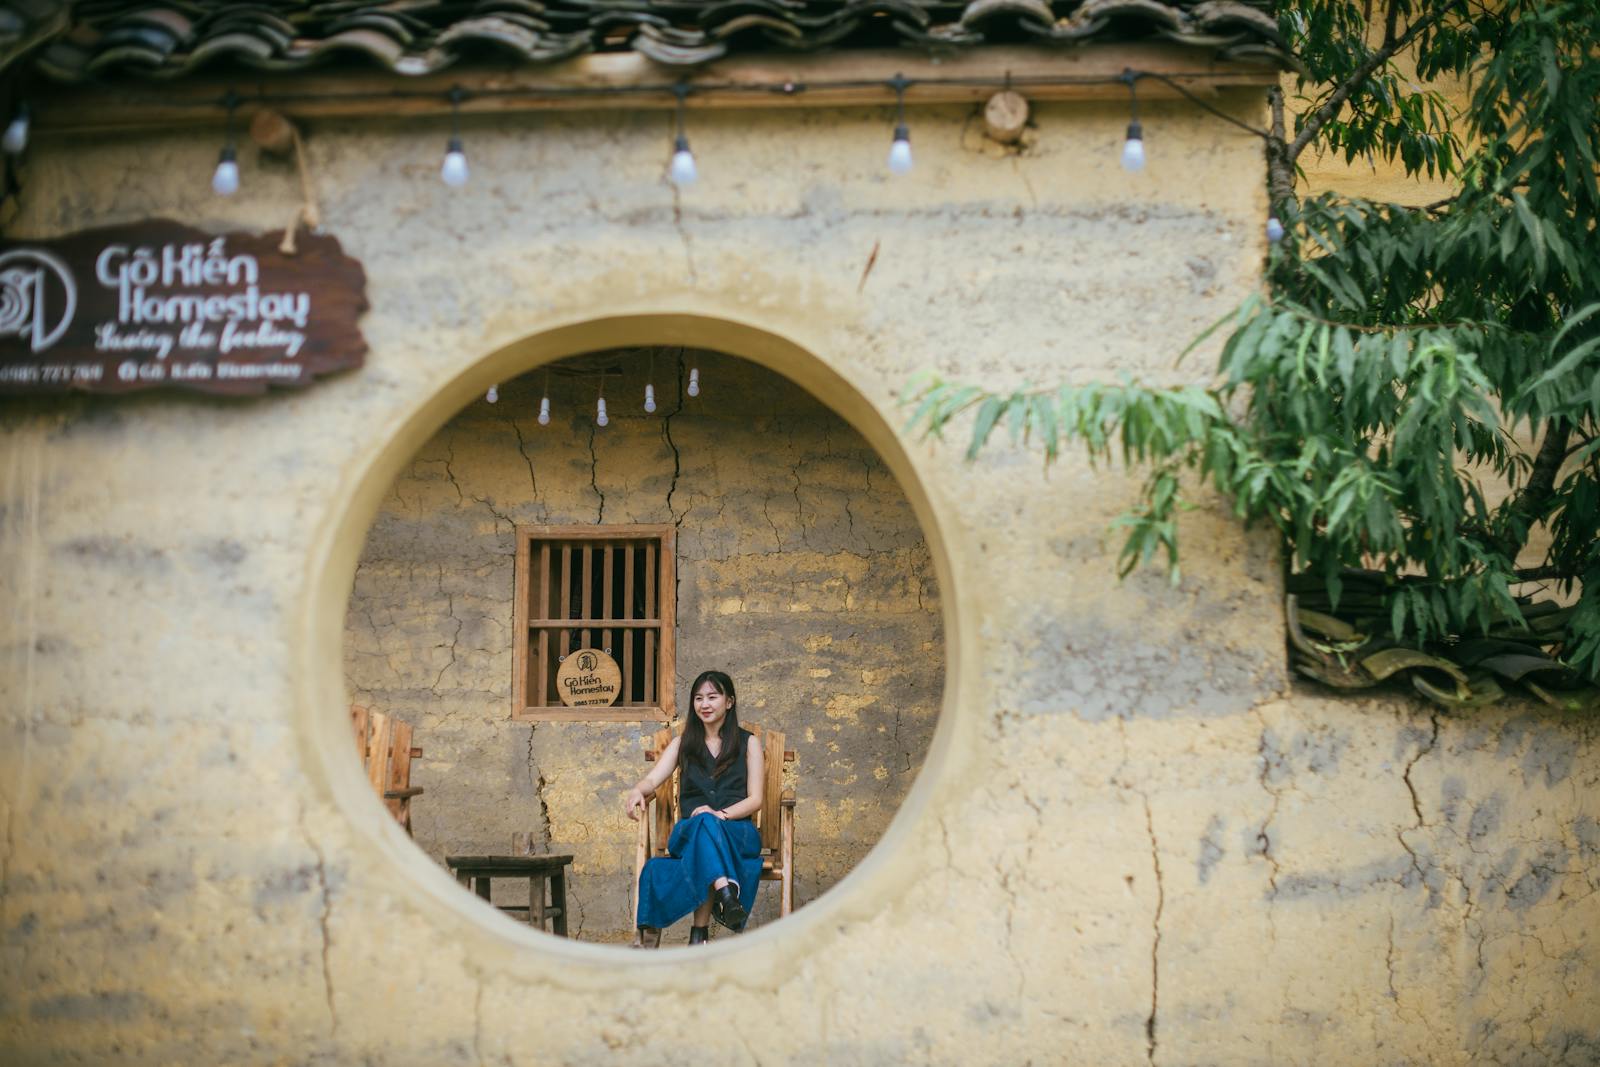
713,865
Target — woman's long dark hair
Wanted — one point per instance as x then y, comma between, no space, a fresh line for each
694,731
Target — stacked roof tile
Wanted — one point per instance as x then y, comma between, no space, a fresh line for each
171,38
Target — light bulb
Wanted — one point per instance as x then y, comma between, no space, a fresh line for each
544,411
225,181
649,399
1133,149
16,135
694,381
493,395
1274,229
900,151
600,413
683,168
454,171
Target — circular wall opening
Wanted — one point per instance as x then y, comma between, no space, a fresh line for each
805,566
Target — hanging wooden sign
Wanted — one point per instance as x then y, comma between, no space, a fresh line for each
588,678
159,304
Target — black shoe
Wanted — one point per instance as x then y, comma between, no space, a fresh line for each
699,935
726,909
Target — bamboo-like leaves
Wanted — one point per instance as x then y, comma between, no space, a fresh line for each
1397,357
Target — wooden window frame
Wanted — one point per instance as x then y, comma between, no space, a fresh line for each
534,548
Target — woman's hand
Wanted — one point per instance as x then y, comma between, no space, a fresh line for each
706,809
634,805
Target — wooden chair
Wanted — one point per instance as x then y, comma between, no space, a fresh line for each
775,820
386,754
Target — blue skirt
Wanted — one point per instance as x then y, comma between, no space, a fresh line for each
700,851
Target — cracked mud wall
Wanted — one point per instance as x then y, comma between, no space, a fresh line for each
1133,840
802,572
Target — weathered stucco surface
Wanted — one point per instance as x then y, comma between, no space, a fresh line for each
1132,840
801,572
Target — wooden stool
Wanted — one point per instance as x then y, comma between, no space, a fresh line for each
477,872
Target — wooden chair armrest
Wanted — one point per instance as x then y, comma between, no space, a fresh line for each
787,799
402,794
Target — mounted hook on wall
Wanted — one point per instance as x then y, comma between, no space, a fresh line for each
276,135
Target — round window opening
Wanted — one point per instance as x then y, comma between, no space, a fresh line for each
547,578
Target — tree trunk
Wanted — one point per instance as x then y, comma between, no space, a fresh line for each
1280,168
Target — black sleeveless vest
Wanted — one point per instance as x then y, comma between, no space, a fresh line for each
697,786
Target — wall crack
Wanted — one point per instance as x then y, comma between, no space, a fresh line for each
533,479
1416,804
594,480
1264,835
323,920
677,458
477,1021
1389,963
536,776
455,642
1155,947
449,470
683,233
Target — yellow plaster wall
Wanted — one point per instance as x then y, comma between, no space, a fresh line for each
1376,179
1133,840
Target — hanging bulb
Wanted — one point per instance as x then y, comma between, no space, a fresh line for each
493,395
225,180
694,381
683,168
649,399
600,418
544,411
454,171
1133,149
1274,229
900,147
15,138
900,151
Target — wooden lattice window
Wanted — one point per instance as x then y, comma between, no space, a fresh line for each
606,587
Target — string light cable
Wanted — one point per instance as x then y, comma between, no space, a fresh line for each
1019,83
683,169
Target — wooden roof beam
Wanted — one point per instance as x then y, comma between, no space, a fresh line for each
631,81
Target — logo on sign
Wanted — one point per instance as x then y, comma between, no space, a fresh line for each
26,310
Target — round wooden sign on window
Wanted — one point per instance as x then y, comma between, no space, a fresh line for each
588,678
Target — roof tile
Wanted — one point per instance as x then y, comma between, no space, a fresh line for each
170,38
